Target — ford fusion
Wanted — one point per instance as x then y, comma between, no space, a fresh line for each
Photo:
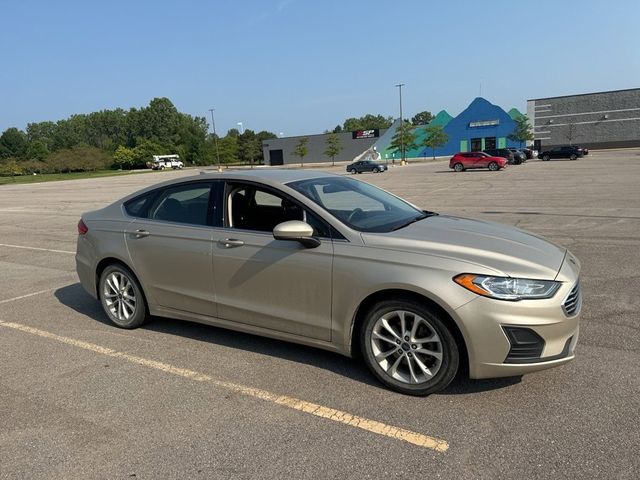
332,262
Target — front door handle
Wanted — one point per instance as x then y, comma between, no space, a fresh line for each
230,243
140,233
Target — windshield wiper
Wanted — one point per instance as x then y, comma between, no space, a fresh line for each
414,220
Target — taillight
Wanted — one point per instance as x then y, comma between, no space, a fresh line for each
82,228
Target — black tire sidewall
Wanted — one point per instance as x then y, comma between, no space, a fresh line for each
494,167
458,169
450,358
140,315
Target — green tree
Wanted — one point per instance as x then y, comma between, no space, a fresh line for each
13,143
337,129
404,139
123,157
333,147
522,131
44,132
422,118
228,148
301,149
367,122
145,150
436,137
37,150
249,147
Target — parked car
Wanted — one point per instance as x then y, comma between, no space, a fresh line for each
529,152
366,166
332,262
501,152
585,151
518,155
565,151
462,161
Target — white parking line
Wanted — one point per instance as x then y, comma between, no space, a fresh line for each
328,413
36,248
28,295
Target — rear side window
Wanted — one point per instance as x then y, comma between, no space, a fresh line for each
137,207
183,204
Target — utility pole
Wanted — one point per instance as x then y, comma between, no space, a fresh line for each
215,138
400,85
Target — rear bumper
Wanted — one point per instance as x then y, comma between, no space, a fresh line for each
84,266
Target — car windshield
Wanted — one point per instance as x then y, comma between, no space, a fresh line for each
359,205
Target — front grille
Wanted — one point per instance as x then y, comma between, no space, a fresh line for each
573,302
526,345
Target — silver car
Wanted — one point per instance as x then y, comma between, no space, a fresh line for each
336,263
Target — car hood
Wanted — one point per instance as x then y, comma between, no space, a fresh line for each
501,248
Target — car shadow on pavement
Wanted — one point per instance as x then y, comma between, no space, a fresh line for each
74,297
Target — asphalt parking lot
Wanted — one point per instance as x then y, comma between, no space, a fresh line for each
80,398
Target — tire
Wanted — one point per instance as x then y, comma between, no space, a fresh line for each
573,157
162,167
545,158
121,297
458,167
352,171
494,167
376,170
398,364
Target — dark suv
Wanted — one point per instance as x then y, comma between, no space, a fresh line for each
565,151
504,153
366,166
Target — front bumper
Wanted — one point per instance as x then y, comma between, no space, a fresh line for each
513,338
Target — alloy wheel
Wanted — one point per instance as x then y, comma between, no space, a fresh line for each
406,347
119,296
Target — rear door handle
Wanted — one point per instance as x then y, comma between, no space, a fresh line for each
140,233
230,243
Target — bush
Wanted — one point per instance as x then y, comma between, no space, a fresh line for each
78,159
11,167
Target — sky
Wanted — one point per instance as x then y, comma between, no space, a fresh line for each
300,67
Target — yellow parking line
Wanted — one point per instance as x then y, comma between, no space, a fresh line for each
339,416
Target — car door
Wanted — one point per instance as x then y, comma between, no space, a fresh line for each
481,160
272,284
171,247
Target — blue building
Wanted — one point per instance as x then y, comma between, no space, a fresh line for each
480,126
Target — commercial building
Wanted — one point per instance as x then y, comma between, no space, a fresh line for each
593,120
281,151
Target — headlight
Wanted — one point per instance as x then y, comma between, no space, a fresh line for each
507,288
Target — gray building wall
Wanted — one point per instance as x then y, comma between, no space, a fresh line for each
316,146
592,120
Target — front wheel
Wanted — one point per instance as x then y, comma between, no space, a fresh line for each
494,167
352,171
376,170
121,297
458,167
573,157
409,348
546,158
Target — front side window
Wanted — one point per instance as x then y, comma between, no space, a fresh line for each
359,205
182,204
254,208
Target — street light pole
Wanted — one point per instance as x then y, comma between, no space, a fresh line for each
215,138
400,85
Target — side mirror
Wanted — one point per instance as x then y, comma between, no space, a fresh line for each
296,230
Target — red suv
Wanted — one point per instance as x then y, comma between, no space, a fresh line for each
463,160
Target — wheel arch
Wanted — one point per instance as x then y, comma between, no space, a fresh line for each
401,294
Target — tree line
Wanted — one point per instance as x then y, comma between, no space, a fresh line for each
123,139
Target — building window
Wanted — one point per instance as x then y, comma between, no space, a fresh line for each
476,144
490,142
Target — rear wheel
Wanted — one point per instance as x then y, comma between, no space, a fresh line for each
494,167
409,348
121,297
